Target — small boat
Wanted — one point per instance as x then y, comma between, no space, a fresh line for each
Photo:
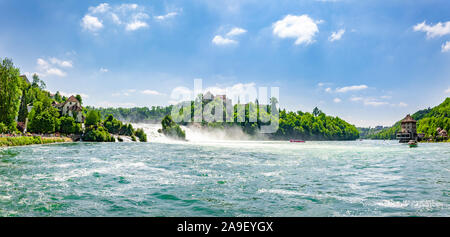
412,143
296,140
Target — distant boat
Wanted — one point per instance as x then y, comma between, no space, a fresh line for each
296,140
412,143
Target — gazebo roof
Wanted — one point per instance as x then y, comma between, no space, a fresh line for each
408,119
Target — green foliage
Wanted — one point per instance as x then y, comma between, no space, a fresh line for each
97,134
92,118
171,129
116,126
78,97
37,83
22,141
43,118
428,120
23,110
3,128
58,97
10,92
141,135
69,126
135,115
316,126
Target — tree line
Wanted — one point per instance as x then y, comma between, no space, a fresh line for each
428,120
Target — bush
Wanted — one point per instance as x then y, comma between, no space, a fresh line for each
99,134
22,141
92,118
133,138
171,129
3,128
69,126
119,139
141,135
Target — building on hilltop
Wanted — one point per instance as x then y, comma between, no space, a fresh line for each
71,107
408,130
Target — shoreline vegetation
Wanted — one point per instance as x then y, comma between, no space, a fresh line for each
292,125
429,122
27,108
31,140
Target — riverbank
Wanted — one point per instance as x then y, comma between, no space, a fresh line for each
23,141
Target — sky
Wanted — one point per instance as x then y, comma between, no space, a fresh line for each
368,62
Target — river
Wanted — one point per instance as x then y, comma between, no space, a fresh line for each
208,177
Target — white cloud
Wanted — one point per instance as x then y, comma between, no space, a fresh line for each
328,89
167,16
42,64
372,101
236,31
61,63
245,92
320,84
68,94
137,22
303,28
337,100
150,92
375,103
402,104
356,99
130,16
103,69
446,47
336,35
447,91
91,23
351,88
439,29
180,94
50,68
229,39
56,72
108,104
115,18
219,40
102,8
135,25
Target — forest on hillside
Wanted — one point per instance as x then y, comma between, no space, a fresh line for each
428,120
292,125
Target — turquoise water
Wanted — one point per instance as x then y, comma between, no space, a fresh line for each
226,178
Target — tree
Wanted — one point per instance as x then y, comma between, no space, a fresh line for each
316,112
36,81
79,99
171,129
92,118
10,93
68,125
58,97
43,118
23,110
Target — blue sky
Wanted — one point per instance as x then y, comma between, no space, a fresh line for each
369,62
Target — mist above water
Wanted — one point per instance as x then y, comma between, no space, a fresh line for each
199,134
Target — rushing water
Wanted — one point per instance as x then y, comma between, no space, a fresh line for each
225,178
